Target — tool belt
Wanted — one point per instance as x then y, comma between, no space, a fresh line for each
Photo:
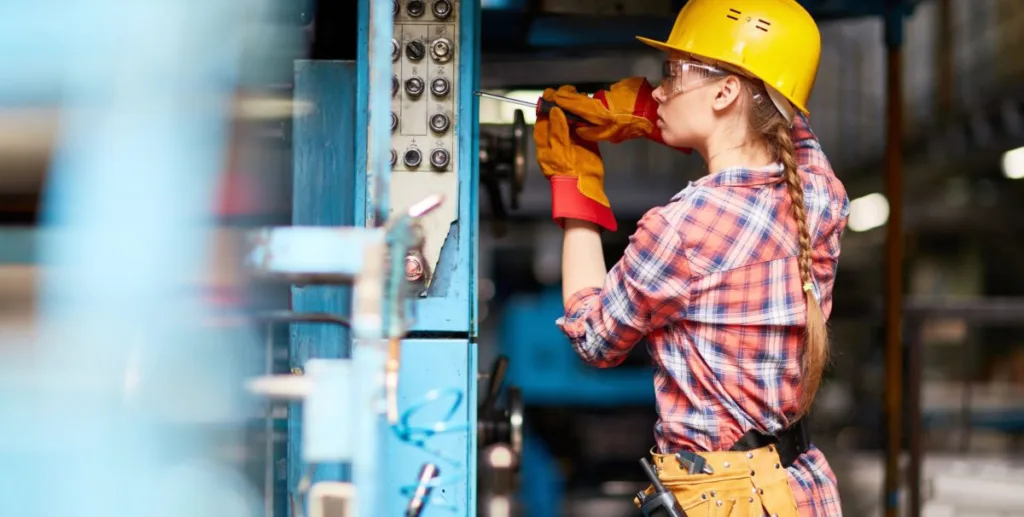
730,484
791,442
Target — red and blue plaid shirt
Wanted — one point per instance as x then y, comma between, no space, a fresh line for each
711,280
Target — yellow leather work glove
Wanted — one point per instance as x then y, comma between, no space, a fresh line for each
575,170
615,122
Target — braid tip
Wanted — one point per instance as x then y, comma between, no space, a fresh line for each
808,287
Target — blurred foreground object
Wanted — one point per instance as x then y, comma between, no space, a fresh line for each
125,399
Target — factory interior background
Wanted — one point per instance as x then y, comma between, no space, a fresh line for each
113,241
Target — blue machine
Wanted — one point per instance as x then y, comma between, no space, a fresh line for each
551,376
386,133
544,366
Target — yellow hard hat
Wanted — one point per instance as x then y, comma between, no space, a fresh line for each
776,41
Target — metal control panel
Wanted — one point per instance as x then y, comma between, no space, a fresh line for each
425,64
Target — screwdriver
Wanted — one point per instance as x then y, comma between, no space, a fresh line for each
645,107
542,107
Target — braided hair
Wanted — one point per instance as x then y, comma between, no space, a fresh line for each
766,120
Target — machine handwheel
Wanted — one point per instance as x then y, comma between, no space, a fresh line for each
501,424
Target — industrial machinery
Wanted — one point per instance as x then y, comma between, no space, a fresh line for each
384,412
584,427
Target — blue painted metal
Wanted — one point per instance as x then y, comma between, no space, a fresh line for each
388,457
437,426
324,175
308,251
378,170
450,305
541,494
328,411
116,403
444,364
548,371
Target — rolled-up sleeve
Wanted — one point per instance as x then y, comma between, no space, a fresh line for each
645,291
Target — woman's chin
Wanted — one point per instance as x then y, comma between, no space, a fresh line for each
671,139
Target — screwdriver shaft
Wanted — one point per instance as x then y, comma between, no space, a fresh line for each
502,98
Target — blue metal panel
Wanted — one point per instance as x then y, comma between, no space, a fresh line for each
438,404
378,169
450,307
359,195
374,79
323,180
451,303
544,365
544,484
325,253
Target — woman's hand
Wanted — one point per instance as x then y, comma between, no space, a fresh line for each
575,170
613,112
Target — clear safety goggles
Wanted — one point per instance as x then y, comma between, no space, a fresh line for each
682,75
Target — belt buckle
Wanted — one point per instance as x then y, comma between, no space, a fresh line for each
693,463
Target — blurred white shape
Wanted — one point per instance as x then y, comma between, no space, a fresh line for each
868,212
1013,163
255,107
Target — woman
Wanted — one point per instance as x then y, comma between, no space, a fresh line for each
731,281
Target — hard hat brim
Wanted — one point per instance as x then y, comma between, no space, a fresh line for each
660,45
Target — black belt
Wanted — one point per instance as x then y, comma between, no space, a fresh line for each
791,442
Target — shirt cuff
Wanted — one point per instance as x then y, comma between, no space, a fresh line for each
577,307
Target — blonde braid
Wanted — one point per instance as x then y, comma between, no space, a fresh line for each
816,352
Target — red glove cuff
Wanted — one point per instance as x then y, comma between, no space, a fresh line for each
567,202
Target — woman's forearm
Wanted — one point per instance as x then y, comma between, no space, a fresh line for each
582,257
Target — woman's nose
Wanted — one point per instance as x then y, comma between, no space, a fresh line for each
659,95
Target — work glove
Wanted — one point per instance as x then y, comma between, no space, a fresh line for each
612,111
625,110
574,168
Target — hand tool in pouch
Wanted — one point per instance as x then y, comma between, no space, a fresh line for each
661,503
693,463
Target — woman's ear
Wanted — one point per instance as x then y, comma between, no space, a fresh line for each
727,92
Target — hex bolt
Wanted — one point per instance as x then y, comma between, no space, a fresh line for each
415,50
394,121
440,86
394,8
396,50
413,268
394,85
393,158
414,86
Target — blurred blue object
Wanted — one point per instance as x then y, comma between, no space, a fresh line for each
126,399
544,365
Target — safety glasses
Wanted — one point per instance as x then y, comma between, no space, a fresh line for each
682,75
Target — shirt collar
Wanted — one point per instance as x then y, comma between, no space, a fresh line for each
739,177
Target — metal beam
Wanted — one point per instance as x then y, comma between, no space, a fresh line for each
894,258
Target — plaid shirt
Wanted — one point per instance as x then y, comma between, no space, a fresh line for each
711,280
